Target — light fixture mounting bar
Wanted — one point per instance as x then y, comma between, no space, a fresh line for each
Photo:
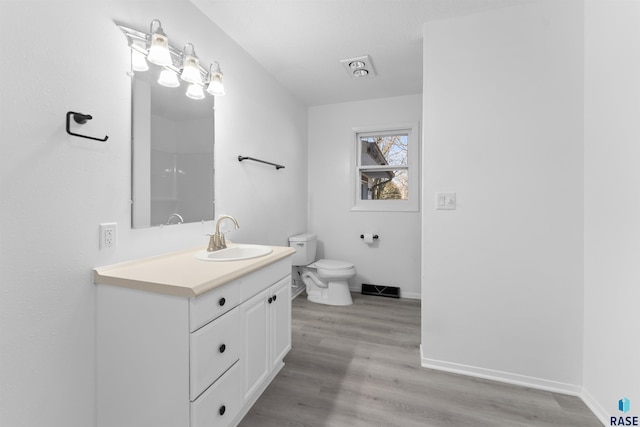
139,41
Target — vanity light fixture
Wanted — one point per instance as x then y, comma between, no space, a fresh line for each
159,46
359,67
190,65
154,47
215,86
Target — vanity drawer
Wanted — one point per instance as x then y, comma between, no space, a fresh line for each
213,349
207,307
221,402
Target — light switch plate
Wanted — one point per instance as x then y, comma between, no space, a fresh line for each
446,201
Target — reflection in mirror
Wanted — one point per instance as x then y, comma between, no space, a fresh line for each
172,153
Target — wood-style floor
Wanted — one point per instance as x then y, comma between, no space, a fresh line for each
360,366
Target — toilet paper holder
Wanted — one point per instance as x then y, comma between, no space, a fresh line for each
375,236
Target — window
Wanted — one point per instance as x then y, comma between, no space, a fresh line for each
386,168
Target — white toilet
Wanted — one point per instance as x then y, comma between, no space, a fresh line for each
325,279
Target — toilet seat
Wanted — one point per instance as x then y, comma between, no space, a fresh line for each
332,264
331,269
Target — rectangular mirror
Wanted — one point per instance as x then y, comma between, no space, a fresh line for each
172,153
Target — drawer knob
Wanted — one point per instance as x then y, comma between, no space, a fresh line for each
222,301
270,300
222,410
222,348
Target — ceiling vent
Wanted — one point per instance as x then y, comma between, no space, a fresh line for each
359,67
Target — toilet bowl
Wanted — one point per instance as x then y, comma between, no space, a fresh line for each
328,283
325,280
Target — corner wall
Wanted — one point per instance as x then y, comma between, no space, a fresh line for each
56,189
612,207
502,293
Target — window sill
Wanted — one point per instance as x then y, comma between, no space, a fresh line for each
386,206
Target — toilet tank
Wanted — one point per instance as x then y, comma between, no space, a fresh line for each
305,246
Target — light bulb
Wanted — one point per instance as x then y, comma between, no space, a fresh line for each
215,86
159,49
190,65
194,91
168,78
138,61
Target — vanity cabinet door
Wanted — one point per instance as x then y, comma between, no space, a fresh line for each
267,334
255,357
280,321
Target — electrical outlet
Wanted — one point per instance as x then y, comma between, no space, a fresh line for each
108,235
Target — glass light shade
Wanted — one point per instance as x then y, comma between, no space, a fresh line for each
159,50
194,91
215,86
138,61
168,78
191,70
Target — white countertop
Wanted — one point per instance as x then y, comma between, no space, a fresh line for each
180,273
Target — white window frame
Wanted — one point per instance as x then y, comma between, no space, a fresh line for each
412,204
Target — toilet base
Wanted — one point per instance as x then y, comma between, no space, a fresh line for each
336,293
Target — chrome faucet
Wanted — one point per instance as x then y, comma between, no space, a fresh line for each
216,241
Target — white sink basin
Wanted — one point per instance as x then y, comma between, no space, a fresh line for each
237,252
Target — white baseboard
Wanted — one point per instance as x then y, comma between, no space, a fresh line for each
595,407
410,295
505,377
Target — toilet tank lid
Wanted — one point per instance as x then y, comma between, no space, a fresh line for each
304,237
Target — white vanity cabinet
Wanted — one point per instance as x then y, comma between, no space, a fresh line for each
174,361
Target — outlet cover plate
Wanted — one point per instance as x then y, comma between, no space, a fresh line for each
108,235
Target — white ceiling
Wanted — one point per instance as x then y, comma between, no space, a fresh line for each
301,42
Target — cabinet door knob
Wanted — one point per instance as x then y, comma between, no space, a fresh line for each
222,301
222,348
222,410
270,300
274,297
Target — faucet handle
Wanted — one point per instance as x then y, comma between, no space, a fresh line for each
216,242
212,243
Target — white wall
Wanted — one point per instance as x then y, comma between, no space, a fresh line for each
395,259
612,206
503,127
56,189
